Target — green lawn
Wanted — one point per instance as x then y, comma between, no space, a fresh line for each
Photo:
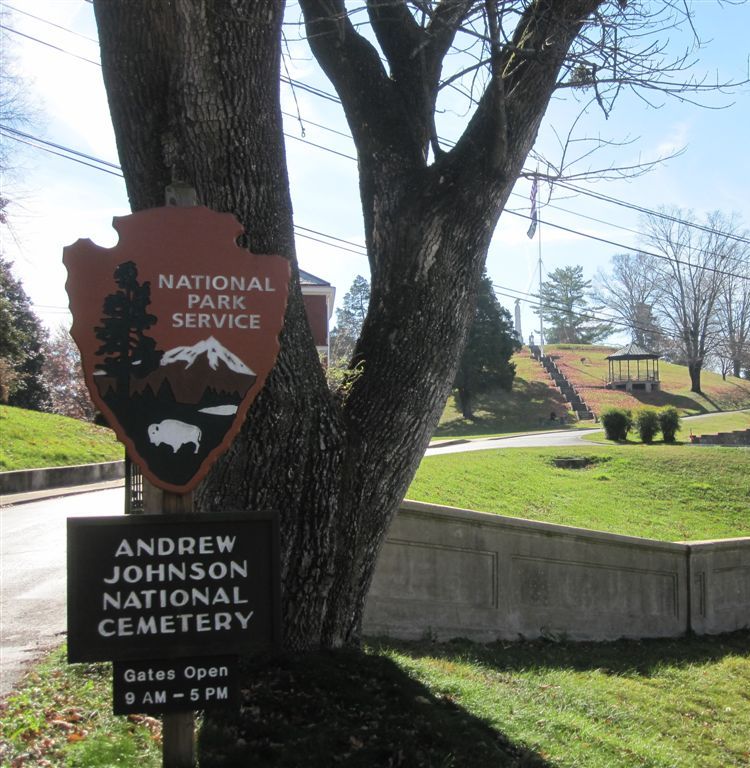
710,425
29,439
658,703
671,493
705,425
654,703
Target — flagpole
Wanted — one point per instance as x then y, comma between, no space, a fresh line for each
541,319
535,224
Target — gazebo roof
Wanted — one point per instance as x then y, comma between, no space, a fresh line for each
632,352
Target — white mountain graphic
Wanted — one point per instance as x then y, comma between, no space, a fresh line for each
215,353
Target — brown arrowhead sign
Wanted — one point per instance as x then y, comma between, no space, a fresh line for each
178,329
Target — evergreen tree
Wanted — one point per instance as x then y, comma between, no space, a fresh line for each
123,330
486,357
21,340
349,320
565,310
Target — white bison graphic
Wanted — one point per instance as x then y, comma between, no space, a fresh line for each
174,433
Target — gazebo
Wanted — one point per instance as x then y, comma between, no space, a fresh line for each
633,368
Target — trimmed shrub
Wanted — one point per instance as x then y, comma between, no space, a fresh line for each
647,424
669,423
617,422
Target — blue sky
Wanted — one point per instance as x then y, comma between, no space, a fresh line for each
58,201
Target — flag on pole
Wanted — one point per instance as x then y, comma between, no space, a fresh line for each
534,217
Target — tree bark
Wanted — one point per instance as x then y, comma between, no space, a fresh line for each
193,91
694,369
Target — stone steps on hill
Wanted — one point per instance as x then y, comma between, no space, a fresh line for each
568,391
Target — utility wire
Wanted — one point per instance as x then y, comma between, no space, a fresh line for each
52,24
320,93
49,45
649,212
561,227
660,256
535,303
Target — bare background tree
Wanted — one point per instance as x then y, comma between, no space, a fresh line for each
733,310
629,290
193,91
63,376
692,277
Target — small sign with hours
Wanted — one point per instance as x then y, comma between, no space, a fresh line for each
174,685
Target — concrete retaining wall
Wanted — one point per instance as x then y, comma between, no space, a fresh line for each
719,585
26,480
739,437
447,573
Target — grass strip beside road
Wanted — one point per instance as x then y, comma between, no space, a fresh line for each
670,493
61,715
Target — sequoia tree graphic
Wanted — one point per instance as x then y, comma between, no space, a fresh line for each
126,349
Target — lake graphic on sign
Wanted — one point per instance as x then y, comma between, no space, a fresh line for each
178,330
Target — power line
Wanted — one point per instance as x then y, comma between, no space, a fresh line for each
52,24
534,301
660,256
561,227
49,45
15,132
649,212
320,93
39,144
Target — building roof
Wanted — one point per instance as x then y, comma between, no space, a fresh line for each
632,352
305,278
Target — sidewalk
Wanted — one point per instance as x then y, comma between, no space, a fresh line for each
8,499
18,486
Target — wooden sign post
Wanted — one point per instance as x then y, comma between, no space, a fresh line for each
178,346
178,729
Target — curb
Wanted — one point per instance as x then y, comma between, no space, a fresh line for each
10,500
24,481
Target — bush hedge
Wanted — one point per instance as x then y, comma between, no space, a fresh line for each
669,423
647,424
617,422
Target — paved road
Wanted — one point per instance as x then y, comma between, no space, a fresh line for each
33,574
535,440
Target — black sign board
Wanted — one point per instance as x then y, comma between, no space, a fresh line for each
165,586
175,685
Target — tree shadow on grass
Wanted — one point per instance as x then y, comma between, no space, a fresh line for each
681,402
526,408
329,708
622,657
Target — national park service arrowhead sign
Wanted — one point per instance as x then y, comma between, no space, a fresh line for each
178,329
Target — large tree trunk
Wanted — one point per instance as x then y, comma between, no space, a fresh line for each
193,90
694,369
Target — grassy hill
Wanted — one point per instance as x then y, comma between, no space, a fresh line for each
533,398
586,368
29,439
